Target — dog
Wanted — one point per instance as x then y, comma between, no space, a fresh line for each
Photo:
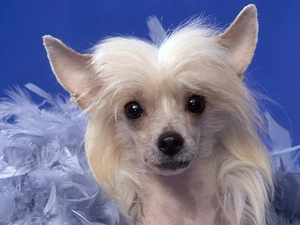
174,132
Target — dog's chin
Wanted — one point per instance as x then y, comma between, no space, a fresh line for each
170,168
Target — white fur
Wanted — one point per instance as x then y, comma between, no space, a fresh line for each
228,180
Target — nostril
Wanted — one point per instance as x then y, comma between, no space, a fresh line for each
177,143
170,143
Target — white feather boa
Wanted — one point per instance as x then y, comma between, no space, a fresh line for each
44,175
45,178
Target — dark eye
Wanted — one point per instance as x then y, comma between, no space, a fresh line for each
133,110
196,104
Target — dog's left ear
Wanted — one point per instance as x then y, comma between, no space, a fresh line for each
240,39
71,69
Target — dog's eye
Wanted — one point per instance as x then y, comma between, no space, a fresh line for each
133,110
196,104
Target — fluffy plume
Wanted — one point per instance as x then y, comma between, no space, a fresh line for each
156,32
44,175
287,166
45,178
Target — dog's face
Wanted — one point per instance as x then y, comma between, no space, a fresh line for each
165,104
162,126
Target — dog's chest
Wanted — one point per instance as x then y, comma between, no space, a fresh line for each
180,201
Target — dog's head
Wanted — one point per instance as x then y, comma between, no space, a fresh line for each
163,107
166,109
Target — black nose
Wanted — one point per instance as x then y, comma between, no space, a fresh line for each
170,143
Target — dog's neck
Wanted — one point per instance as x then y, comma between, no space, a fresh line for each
186,199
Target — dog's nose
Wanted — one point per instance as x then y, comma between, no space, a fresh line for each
170,143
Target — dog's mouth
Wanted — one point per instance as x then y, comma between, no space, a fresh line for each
173,166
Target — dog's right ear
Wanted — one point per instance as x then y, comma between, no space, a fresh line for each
71,70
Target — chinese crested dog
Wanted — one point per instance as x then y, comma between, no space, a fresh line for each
173,132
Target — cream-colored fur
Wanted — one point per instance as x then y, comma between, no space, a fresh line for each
226,176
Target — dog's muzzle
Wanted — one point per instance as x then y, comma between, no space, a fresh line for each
170,144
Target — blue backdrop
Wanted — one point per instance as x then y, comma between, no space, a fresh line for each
81,23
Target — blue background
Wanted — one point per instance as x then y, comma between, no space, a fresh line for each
81,23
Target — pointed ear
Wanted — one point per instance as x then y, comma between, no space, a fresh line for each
240,39
71,70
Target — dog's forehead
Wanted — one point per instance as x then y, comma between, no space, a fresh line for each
182,51
133,67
